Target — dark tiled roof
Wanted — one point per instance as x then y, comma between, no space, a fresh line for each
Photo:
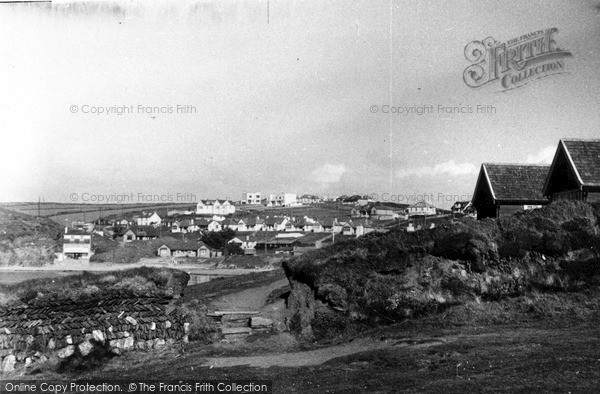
517,182
586,157
73,231
184,245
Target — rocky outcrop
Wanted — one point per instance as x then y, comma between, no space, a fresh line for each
301,305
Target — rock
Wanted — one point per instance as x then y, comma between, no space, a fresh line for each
128,343
186,328
43,359
153,326
69,339
85,348
28,361
51,344
260,322
8,364
131,320
167,324
158,343
66,351
125,334
141,345
98,336
301,306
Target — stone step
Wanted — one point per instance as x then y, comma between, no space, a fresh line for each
236,330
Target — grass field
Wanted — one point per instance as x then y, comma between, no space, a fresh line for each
10,277
60,212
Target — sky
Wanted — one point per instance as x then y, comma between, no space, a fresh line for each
222,97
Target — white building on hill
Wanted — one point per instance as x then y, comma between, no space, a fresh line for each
214,207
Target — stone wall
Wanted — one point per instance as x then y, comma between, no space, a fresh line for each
63,327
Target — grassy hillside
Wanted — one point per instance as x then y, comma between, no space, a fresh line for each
391,277
27,240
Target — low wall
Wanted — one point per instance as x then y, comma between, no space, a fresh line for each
67,327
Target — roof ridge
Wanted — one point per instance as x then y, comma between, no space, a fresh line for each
581,139
516,164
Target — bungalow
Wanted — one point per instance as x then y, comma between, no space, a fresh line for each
255,224
421,208
178,248
276,224
208,225
309,199
214,207
236,224
503,189
144,233
246,242
462,207
348,228
149,219
575,171
331,226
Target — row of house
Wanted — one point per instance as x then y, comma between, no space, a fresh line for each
574,174
383,212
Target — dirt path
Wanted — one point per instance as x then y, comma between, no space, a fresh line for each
318,356
247,300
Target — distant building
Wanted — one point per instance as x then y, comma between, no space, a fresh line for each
462,207
149,219
282,200
246,242
575,171
214,207
177,248
251,198
503,189
422,208
77,244
309,199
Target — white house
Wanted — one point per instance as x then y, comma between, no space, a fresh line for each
282,200
251,198
246,242
421,208
149,219
77,244
214,207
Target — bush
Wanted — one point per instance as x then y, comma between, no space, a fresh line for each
202,328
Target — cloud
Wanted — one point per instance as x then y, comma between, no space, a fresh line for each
449,168
544,156
328,173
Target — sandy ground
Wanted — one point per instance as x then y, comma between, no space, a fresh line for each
314,357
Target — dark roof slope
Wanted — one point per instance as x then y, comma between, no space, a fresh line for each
517,182
586,158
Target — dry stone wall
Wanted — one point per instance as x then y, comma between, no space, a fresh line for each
64,327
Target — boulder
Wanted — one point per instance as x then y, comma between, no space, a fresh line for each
85,348
260,322
128,343
66,351
98,336
8,364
